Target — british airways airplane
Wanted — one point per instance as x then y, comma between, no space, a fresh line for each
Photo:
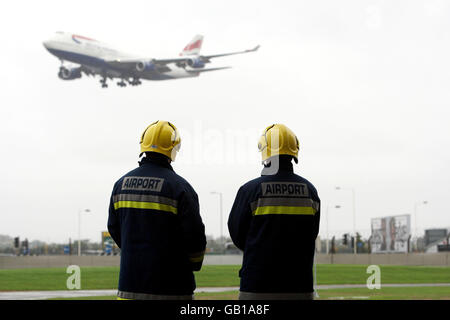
91,57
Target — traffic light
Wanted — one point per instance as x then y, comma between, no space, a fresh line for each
16,242
353,242
344,240
25,247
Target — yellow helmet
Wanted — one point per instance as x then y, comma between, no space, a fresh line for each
278,139
161,137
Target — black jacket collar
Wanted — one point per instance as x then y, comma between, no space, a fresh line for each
158,159
278,165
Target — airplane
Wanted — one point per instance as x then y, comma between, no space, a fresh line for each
91,57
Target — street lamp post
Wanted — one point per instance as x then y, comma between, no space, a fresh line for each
354,215
221,213
415,215
328,238
79,229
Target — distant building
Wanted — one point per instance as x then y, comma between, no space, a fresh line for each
437,240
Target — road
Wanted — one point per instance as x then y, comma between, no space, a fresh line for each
40,295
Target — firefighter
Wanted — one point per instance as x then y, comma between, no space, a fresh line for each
154,218
275,221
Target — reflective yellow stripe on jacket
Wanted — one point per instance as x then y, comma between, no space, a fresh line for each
136,201
197,257
290,206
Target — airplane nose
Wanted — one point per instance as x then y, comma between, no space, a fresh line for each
47,44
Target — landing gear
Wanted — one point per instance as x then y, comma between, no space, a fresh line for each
103,82
121,84
134,82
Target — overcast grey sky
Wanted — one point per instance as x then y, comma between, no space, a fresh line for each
363,84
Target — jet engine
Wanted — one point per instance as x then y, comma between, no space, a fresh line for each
142,66
196,63
69,73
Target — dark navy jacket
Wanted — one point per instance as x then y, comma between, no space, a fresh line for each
275,221
154,218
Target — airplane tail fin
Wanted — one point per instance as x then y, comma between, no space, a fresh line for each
193,47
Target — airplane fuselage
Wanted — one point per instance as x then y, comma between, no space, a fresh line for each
93,56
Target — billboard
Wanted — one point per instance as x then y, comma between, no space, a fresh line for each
390,234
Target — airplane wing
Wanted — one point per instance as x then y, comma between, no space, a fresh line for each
229,54
131,64
203,58
161,64
145,65
206,70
